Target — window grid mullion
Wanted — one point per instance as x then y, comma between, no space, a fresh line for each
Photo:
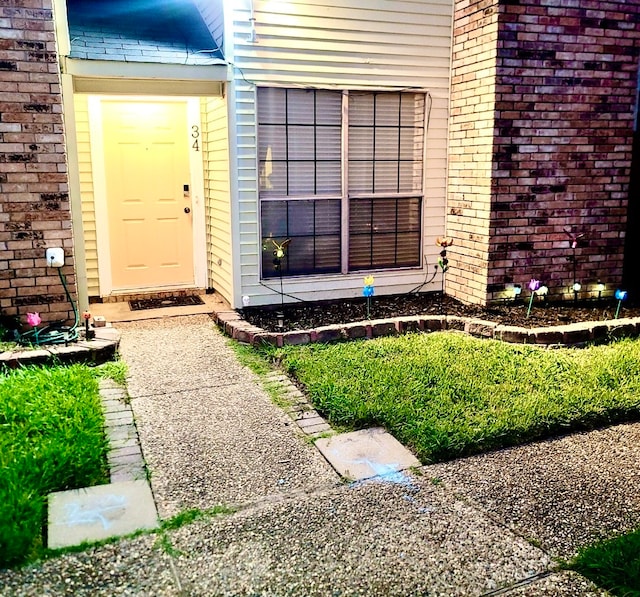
371,232
399,142
288,236
344,204
315,236
373,154
286,142
315,146
395,236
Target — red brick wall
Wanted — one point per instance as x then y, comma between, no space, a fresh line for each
566,77
34,201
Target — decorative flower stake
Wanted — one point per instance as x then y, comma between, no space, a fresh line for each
575,239
34,320
533,286
279,253
367,292
621,295
443,262
536,288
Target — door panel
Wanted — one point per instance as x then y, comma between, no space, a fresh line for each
146,165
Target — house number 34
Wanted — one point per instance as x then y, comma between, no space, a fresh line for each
195,135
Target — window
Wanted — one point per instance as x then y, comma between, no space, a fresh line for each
386,136
304,192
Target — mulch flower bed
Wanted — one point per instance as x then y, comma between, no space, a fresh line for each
310,315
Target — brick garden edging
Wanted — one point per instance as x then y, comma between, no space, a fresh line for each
101,349
574,334
126,462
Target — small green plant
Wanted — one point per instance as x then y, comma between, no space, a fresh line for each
191,515
163,542
116,371
614,564
250,358
51,439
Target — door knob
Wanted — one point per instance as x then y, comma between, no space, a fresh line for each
187,210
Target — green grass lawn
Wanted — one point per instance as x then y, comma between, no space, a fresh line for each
446,394
614,564
51,439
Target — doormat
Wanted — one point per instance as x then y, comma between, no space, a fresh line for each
169,301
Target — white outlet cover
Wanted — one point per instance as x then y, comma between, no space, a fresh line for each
55,257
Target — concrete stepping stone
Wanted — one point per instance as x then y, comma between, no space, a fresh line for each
99,512
366,453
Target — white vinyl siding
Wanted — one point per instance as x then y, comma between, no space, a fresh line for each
86,192
338,44
215,144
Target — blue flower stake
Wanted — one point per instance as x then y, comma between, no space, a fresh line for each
621,295
367,292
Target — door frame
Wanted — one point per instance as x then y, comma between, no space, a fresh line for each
196,170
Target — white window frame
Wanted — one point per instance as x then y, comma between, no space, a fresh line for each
345,197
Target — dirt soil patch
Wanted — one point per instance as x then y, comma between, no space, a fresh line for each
310,315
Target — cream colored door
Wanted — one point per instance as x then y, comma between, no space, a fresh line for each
146,169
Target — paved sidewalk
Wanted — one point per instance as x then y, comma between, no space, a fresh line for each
211,436
563,493
209,433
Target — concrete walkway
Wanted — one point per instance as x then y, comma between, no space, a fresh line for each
211,436
209,433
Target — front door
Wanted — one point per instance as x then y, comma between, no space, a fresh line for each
147,181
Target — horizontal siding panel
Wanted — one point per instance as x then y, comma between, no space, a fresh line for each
373,33
303,36
354,13
81,108
359,79
217,195
378,42
288,59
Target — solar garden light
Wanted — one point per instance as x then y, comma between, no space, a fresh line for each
600,288
88,334
576,289
517,291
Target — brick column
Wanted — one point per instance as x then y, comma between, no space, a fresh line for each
471,126
34,201
565,82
